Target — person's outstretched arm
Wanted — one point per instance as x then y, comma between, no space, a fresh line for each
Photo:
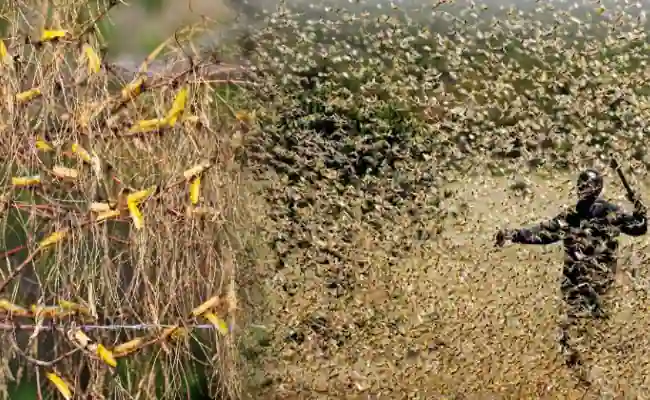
546,232
635,223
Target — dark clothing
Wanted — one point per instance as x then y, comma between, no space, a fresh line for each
589,233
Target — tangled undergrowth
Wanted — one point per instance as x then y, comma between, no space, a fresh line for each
119,205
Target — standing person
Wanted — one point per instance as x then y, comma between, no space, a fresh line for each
590,233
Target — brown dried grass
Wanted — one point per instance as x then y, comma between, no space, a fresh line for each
155,275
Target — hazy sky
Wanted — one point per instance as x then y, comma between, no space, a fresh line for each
137,33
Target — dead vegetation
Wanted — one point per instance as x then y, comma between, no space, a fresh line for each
120,214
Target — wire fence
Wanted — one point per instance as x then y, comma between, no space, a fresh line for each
91,327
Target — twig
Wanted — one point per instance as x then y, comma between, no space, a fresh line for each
35,361
13,251
18,269
39,391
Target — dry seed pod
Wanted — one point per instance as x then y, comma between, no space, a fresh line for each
4,202
210,303
147,125
190,119
127,347
196,170
97,207
103,216
80,338
202,212
65,173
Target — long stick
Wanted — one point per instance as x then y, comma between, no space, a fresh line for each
631,196
617,167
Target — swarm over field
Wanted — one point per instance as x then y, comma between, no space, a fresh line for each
378,137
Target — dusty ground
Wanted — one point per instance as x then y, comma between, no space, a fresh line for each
459,319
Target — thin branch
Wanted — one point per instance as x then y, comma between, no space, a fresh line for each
18,270
35,361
